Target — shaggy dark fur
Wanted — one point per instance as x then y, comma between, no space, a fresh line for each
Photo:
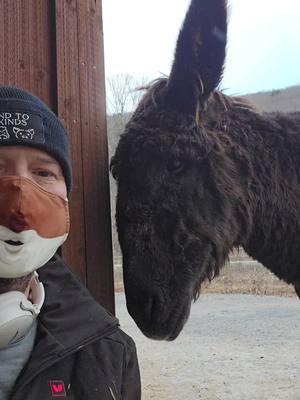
198,174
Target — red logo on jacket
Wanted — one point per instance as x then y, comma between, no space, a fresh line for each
58,389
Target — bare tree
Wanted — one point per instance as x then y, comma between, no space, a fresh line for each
122,96
122,93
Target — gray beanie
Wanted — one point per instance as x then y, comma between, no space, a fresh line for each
25,120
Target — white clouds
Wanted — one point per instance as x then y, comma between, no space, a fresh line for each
263,51
140,36
263,41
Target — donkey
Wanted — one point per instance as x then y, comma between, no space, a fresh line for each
200,173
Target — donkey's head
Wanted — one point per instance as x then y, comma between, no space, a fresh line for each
178,196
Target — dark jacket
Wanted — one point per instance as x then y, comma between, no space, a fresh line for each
80,352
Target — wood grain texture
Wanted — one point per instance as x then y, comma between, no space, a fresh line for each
81,88
68,104
27,59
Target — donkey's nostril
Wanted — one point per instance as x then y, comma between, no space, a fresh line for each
149,308
154,310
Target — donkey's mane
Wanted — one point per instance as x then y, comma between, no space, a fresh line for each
155,88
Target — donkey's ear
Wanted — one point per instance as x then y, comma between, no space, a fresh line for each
199,57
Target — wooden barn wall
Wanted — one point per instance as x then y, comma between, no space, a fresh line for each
54,48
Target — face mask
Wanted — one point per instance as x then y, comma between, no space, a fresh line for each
17,313
33,224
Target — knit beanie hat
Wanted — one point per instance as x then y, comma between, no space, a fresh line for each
26,121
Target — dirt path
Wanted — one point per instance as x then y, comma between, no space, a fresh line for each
234,347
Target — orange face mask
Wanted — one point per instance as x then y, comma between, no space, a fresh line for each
33,224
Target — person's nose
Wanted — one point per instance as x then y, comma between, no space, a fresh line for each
17,222
20,170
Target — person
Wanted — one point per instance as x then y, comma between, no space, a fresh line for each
56,341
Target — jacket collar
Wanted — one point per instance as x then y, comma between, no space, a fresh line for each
70,314
70,319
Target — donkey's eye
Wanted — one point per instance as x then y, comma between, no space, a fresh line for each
175,165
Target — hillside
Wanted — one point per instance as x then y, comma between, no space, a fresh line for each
285,100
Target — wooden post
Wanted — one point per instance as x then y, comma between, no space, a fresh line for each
55,50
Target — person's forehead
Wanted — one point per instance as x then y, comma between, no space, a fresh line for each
31,153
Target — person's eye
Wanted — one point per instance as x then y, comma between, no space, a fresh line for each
45,174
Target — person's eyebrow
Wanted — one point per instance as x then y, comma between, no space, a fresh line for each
46,160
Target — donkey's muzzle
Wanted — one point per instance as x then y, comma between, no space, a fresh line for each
155,317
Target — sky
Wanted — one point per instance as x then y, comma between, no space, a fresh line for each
263,51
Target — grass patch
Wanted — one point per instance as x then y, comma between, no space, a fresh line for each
239,276
248,277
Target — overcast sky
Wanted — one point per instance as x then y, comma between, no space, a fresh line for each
263,46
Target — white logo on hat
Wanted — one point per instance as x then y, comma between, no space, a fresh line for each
3,133
23,133
13,118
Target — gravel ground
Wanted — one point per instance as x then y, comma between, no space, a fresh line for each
234,347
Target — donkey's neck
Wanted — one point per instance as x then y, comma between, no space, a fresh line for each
275,151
